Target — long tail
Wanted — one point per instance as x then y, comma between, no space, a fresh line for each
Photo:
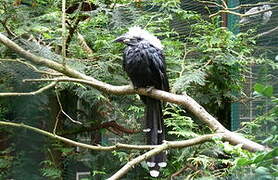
155,133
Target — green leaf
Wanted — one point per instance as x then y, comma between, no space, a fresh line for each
4,163
268,91
243,162
264,90
259,88
259,158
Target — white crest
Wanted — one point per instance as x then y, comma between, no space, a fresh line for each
136,31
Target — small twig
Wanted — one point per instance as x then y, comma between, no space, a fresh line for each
114,4
225,8
73,26
56,122
213,3
177,173
187,166
225,11
267,32
150,20
30,93
84,45
64,31
208,63
259,12
224,4
252,5
61,109
4,23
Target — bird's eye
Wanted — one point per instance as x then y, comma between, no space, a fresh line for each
139,39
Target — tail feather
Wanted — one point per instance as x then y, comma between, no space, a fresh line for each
155,133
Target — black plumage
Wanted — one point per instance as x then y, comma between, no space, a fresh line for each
144,63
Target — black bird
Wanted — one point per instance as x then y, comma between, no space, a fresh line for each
144,63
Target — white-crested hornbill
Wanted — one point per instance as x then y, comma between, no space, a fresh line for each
144,63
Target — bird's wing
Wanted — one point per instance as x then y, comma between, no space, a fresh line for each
157,64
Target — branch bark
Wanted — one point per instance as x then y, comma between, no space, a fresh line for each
77,144
166,145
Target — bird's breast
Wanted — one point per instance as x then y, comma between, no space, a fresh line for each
136,61
137,66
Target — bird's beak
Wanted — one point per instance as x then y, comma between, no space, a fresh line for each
123,39
119,39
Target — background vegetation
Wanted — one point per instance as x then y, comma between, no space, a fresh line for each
208,63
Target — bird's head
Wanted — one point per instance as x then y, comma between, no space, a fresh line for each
137,35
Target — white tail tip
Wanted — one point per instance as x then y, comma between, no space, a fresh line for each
147,130
162,164
154,173
150,164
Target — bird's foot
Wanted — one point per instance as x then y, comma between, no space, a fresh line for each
149,89
134,87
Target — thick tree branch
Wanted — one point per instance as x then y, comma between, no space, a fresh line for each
42,61
184,100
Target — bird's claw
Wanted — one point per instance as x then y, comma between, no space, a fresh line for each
134,87
149,89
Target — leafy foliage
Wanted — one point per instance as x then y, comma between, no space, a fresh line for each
264,127
180,125
50,171
207,62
